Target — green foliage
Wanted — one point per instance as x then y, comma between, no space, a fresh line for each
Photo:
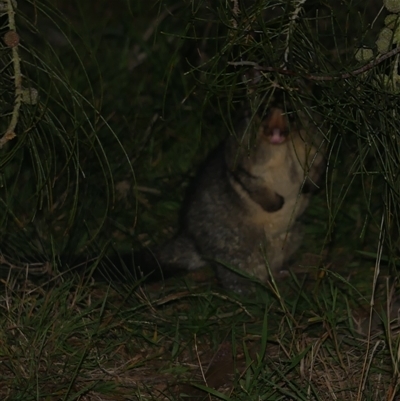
45,167
105,135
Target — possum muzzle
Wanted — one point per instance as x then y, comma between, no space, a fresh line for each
275,127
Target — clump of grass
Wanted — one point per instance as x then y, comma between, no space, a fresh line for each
300,340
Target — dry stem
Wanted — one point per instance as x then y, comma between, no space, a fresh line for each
313,77
10,132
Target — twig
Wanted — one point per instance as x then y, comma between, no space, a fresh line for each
145,137
148,190
11,39
292,24
313,77
235,12
367,364
140,57
184,294
200,364
28,268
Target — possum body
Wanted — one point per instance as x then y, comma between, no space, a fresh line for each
242,208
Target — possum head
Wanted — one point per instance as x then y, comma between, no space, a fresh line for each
257,140
271,141
250,167
275,127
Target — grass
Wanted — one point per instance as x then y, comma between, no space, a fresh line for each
72,340
137,124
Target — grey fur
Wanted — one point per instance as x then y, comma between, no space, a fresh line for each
243,208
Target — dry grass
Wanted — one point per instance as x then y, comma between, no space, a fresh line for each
68,340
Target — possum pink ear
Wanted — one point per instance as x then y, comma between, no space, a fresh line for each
275,126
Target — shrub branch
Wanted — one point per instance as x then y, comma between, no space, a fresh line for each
314,77
11,39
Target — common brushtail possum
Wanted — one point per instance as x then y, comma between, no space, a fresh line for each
242,208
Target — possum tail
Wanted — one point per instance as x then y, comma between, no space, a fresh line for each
169,260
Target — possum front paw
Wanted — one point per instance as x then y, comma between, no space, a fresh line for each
273,204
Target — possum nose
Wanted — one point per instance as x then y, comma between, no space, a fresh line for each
276,136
